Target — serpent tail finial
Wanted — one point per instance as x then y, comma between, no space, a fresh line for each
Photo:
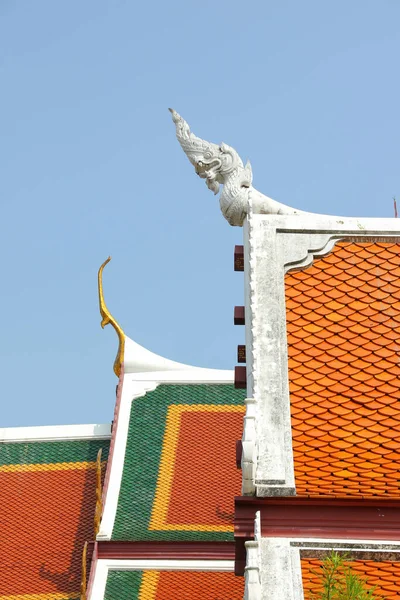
99,501
83,595
107,318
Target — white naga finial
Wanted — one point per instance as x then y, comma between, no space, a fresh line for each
221,164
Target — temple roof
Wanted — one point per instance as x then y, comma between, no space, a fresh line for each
47,499
171,477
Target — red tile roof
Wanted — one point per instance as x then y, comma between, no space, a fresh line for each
46,515
205,457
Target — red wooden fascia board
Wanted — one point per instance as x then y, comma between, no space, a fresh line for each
340,518
328,518
166,550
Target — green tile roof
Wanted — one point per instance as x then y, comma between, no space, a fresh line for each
37,452
123,585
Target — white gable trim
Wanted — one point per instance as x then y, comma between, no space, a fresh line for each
104,566
50,433
189,376
130,390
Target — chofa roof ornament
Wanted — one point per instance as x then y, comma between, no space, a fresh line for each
133,357
221,164
107,319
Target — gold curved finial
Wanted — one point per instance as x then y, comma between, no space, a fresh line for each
99,501
84,574
108,318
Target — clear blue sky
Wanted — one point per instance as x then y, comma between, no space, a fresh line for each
308,91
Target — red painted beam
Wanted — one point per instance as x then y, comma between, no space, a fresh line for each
328,518
345,518
166,550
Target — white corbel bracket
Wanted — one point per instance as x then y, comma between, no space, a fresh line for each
249,448
252,581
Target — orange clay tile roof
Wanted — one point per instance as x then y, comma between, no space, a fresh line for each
47,500
343,324
384,575
173,585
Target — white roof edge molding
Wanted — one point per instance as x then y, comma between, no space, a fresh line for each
274,245
49,433
194,375
221,164
130,390
104,565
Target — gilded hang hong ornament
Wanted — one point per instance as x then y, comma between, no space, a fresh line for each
107,318
221,164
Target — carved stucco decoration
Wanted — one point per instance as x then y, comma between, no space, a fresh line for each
222,165
252,581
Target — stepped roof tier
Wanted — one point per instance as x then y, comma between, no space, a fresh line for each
170,488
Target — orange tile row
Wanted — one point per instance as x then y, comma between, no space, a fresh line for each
343,323
200,585
384,575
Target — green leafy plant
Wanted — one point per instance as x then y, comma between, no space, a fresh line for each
340,582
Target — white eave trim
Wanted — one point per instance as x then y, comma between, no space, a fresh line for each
190,376
103,566
51,433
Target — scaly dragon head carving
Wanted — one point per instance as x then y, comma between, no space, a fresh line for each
223,165
212,162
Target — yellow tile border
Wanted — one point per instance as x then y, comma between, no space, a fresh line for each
158,519
148,586
35,468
